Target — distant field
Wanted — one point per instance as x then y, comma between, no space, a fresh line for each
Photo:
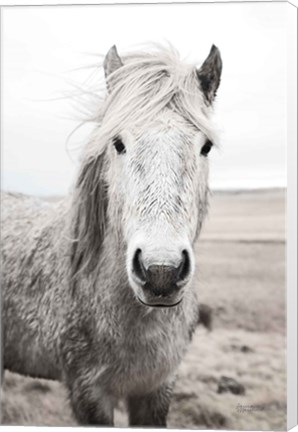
246,216
241,275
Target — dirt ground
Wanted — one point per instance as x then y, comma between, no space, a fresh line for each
241,275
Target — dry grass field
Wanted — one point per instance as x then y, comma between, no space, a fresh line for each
241,275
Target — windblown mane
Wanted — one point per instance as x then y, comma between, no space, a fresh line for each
141,89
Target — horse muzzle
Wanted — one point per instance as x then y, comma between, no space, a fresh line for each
160,285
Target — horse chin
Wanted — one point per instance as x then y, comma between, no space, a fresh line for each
160,305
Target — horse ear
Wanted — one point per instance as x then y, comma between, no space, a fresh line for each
111,63
209,74
89,216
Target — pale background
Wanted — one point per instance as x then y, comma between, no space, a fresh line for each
42,47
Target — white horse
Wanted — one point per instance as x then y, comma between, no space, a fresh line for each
97,292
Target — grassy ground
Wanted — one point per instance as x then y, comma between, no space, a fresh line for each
241,275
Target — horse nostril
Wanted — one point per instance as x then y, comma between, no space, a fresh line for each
138,266
184,267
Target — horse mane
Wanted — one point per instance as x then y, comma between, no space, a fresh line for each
88,216
140,90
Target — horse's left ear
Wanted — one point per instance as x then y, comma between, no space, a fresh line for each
209,74
111,63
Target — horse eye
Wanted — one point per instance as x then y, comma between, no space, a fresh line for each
119,146
206,148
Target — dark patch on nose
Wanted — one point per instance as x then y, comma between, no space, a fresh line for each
162,280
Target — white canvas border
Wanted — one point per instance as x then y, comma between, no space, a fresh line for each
292,216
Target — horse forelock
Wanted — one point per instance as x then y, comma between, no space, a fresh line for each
146,85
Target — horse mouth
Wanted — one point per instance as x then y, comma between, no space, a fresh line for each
159,305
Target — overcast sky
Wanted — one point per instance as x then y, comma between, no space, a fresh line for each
42,47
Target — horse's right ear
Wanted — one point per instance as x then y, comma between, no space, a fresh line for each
111,63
